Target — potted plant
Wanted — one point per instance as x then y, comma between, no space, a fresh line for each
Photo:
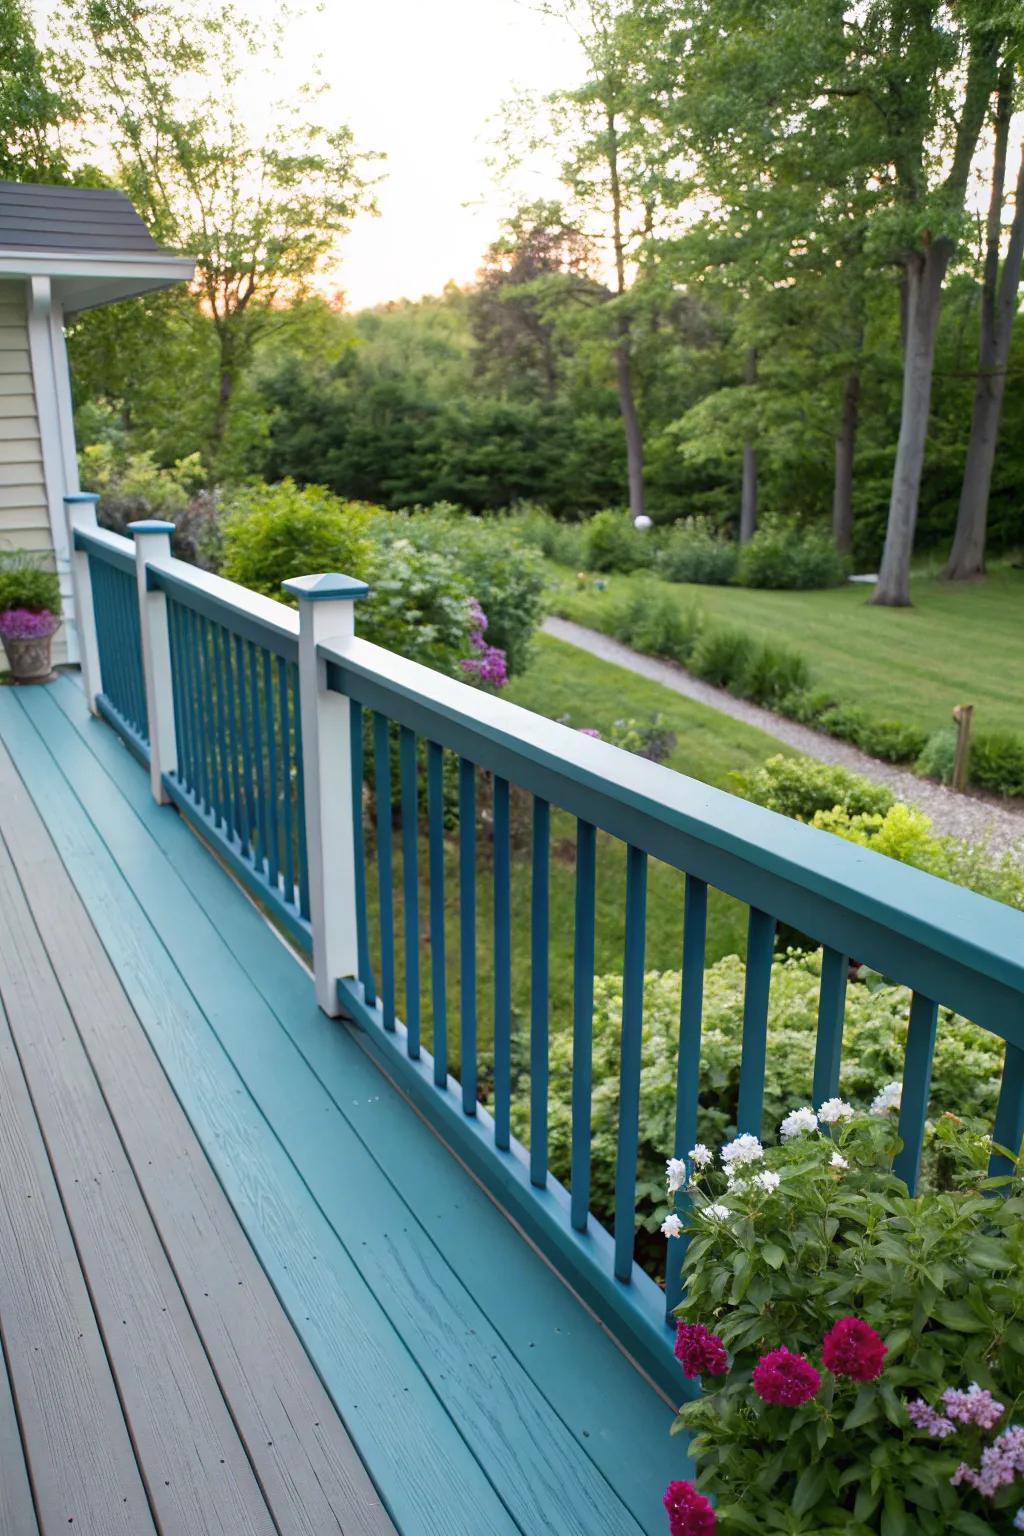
29,617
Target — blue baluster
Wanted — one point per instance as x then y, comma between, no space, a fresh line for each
467,933
287,816
270,734
630,1061
410,887
259,833
1008,1130
502,918
583,1020
539,929
917,1081
300,794
435,835
760,945
230,709
835,969
691,1013
382,790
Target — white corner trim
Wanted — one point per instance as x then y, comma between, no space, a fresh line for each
56,432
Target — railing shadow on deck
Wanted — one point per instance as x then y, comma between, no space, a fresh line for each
264,726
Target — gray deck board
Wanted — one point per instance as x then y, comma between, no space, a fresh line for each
77,1446
208,1399
17,1511
310,1473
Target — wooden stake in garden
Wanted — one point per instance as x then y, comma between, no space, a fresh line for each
962,716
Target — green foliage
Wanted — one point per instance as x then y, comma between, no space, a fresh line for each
936,1276
611,543
26,583
782,555
968,1065
722,655
653,739
556,541
273,532
997,762
503,573
936,758
691,551
419,606
772,673
892,740
801,787
133,486
651,623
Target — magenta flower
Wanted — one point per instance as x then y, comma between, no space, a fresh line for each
488,664
689,1513
590,730
27,623
700,1352
853,1348
923,1416
782,1377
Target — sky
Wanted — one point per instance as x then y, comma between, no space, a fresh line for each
419,80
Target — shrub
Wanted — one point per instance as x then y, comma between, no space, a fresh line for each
26,583
773,672
856,1317
845,721
273,532
611,543
652,738
691,551
503,573
722,655
935,760
785,556
891,740
807,705
421,607
133,486
967,1067
563,542
801,786
997,762
653,622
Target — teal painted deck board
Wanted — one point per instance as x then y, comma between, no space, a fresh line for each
411,1447
620,1423
572,1379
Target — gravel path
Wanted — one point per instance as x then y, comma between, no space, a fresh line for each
969,816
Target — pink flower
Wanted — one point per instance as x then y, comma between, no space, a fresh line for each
27,623
975,1406
700,1352
923,1416
782,1377
853,1348
689,1513
1001,1463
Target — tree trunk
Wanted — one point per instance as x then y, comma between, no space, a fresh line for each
748,494
846,441
998,307
631,426
926,271
227,378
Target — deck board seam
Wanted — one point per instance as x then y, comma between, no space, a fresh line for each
5,1366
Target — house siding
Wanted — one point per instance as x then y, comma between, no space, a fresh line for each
24,511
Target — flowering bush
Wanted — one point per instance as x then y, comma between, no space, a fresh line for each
487,664
27,624
862,1350
965,1078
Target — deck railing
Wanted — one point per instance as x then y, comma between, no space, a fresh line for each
267,727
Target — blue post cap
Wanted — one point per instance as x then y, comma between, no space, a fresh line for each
151,525
82,496
328,587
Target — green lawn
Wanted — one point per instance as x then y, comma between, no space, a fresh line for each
564,680
961,643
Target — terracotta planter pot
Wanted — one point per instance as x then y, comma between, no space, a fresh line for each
30,659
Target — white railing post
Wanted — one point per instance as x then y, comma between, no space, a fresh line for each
153,547
80,512
327,612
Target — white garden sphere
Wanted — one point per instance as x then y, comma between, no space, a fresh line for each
642,521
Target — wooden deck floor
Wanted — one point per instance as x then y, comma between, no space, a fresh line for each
243,1288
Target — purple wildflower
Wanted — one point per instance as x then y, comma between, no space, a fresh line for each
975,1406
590,730
923,1416
1001,1463
489,663
27,623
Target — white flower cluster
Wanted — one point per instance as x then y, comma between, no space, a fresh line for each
839,1161
672,1226
767,1180
797,1122
888,1099
701,1156
835,1112
745,1149
716,1212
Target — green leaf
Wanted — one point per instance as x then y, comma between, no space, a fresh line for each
811,1484
773,1255
864,1409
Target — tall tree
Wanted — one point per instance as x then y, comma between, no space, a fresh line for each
998,309
33,105
261,215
